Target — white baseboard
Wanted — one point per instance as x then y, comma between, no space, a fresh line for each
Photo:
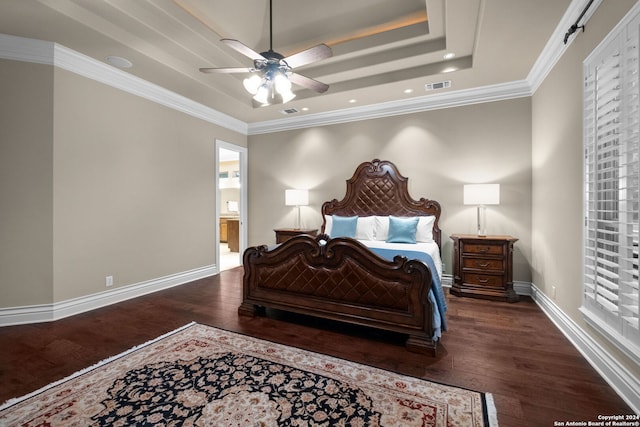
60,310
521,288
623,382
447,280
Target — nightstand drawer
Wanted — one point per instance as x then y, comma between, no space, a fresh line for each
482,248
484,280
483,264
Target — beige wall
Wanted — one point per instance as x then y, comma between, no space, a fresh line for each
26,191
438,151
557,154
129,190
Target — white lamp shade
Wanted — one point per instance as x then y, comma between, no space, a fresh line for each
282,83
252,84
296,197
287,96
482,194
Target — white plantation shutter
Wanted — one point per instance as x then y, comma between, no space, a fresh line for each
612,188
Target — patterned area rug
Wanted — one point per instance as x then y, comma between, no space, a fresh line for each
199,375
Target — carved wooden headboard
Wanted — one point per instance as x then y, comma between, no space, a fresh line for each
377,188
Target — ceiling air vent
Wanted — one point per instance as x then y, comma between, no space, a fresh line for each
289,111
438,85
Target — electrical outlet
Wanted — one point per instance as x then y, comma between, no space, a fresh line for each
553,291
108,281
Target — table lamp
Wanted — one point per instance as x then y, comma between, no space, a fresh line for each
481,195
296,198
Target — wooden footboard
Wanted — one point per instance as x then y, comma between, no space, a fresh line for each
341,280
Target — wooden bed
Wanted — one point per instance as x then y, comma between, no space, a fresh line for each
340,278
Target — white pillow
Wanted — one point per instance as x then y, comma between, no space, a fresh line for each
328,223
425,229
366,228
381,228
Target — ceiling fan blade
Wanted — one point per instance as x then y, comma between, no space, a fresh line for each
242,48
309,83
308,56
227,70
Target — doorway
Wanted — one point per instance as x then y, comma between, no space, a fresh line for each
231,202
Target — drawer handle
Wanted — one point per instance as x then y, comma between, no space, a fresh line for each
483,264
484,249
483,280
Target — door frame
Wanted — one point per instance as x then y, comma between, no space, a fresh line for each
243,208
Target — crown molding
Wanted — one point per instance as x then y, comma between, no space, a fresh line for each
555,47
502,91
26,50
43,52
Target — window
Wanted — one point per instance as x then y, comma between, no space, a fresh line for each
612,187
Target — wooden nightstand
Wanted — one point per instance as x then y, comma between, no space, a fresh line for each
483,267
284,234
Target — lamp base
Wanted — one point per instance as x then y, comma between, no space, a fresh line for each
298,223
482,229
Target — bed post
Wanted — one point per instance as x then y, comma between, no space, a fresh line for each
421,344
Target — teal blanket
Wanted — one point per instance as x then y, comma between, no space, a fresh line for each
436,295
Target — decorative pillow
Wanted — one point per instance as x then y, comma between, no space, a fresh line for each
382,228
425,228
402,229
344,226
365,228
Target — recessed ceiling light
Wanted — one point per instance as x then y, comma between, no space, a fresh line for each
449,55
408,90
305,108
449,69
118,61
353,101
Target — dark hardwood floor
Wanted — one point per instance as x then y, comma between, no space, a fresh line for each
510,350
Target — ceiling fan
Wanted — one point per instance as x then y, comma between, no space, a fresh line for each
272,72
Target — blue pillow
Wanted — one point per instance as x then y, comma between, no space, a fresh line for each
402,230
344,226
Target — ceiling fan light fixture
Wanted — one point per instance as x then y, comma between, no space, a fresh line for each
273,81
252,84
287,96
281,83
262,94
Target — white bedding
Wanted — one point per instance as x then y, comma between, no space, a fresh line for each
430,248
